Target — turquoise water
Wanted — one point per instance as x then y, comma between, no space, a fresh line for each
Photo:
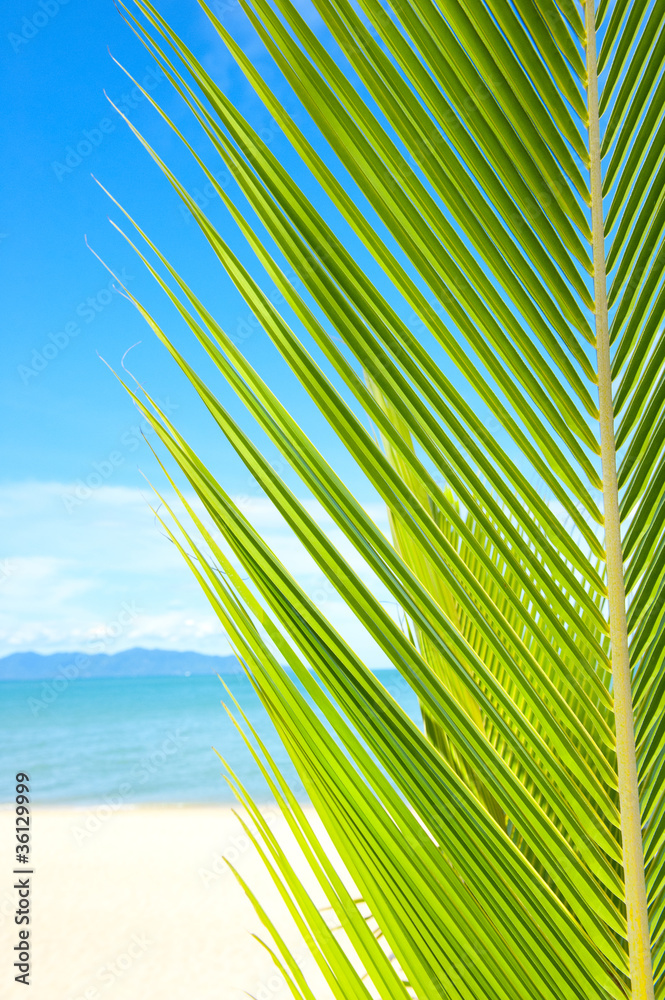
137,739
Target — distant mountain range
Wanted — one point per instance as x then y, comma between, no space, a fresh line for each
129,663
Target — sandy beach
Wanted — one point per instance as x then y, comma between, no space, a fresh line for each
137,904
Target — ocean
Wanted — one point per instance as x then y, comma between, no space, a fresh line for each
133,740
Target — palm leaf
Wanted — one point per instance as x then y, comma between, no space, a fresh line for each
512,846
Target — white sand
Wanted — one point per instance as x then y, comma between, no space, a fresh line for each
136,904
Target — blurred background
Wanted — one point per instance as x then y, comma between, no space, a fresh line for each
78,535
109,698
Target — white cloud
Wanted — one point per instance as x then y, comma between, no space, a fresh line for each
69,572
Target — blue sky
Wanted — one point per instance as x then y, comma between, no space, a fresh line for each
79,541
65,409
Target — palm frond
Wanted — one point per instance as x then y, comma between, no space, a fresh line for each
513,846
